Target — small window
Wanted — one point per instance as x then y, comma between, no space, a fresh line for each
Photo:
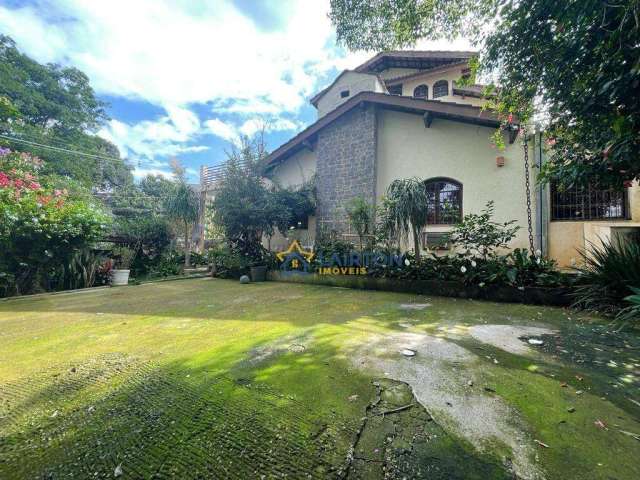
445,201
588,203
440,89
421,91
344,93
395,89
436,240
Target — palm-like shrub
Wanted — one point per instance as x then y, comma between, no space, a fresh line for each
183,206
608,276
361,217
632,312
410,201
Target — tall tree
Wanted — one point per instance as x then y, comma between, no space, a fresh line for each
578,59
57,107
243,207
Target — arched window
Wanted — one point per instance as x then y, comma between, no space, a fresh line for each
445,201
421,91
440,89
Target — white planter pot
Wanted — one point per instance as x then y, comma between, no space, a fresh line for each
119,277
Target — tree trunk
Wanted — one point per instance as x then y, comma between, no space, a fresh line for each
187,246
416,243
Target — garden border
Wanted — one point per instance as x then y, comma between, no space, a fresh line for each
558,297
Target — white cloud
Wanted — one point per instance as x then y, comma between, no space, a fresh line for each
177,53
254,125
231,131
150,139
139,173
226,131
180,54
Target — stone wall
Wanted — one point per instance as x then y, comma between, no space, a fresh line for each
346,168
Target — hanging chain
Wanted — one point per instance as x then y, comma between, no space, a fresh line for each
527,180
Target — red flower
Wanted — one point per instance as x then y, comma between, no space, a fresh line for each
34,186
4,180
510,118
18,184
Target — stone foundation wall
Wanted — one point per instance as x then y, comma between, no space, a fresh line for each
346,165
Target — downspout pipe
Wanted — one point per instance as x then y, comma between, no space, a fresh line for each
541,207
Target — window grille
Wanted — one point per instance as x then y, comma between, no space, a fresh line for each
421,91
395,89
445,202
440,89
588,203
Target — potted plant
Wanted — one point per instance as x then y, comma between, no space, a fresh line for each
258,272
122,257
258,267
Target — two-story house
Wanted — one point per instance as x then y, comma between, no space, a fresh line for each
401,114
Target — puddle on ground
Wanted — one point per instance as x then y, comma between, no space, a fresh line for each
414,306
508,337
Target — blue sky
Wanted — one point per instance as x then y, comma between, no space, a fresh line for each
185,78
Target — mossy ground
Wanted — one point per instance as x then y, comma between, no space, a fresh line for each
211,379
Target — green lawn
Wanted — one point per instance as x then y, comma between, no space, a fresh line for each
207,378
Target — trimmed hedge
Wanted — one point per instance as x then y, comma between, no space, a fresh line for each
527,295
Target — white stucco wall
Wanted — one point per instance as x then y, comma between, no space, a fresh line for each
353,82
294,172
459,151
429,79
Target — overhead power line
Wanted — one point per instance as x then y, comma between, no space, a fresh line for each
59,149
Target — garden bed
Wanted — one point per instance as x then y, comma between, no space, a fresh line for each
495,293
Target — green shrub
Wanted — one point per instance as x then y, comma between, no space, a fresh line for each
329,242
198,259
123,257
171,263
518,269
479,236
148,235
227,263
41,227
608,276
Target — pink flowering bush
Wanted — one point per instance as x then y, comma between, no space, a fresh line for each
40,227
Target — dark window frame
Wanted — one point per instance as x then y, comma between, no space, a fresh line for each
440,185
344,93
437,89
585,204
395,89
424,88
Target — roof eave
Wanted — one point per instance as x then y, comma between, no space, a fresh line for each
439,109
